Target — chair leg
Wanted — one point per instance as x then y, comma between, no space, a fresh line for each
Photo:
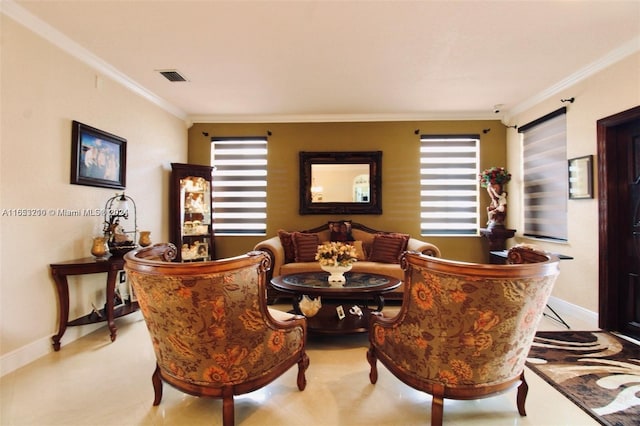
523,390
437,405
303,364
157,386
228,415
372,358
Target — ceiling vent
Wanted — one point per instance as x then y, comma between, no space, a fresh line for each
172,75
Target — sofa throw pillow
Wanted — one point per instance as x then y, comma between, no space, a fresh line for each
306,246
340,230
286,239
360,254
387,248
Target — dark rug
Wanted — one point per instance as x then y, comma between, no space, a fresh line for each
598,371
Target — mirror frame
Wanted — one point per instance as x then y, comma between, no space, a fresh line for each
372,158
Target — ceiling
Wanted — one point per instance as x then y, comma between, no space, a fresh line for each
340,60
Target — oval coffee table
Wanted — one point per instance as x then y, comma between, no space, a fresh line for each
358,286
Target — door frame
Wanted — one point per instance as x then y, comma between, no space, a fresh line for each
611,219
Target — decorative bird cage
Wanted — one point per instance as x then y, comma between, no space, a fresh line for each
120,224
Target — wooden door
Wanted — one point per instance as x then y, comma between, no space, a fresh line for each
632,314
619,202
630,134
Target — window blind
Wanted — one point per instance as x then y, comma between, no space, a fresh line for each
239,186
449,184
545,176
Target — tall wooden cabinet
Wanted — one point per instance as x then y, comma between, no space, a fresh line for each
191,212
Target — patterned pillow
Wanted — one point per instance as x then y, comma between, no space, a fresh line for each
340,230
286,238
387,248
306,246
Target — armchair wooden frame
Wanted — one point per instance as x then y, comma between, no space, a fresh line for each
235,364
456,336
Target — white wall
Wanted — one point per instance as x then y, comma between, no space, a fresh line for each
42,90
612,90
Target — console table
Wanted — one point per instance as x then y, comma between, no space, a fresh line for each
88,265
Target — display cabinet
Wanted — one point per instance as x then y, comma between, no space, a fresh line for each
191,212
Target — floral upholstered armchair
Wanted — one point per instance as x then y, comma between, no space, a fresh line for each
211,330
464,330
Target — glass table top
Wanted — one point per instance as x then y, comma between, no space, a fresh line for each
353,280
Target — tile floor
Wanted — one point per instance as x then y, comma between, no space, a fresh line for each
95,382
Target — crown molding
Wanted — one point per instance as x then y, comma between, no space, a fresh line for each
16,12
338,118
616,55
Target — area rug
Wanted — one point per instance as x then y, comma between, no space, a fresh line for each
596,370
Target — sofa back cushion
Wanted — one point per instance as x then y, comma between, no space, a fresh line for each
387,248
366,238
306,246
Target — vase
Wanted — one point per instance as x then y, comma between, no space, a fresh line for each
145,238
99,247
336,273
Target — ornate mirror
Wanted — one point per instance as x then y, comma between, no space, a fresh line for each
340,182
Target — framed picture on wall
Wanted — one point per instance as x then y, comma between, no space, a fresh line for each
98,158
581,177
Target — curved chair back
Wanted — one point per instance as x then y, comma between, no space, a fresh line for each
210,326
464,330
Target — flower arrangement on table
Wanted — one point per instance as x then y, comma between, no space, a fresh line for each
493,176
336,254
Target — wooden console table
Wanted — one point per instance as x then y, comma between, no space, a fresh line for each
88,265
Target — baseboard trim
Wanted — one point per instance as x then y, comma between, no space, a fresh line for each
24,355
567,309
29,353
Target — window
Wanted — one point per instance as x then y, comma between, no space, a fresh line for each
239,186
545,176
449,184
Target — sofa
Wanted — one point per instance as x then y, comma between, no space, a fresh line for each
377,251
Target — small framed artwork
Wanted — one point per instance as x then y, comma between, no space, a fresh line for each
340,312
581,177
98,158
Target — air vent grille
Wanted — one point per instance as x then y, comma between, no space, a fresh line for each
172,75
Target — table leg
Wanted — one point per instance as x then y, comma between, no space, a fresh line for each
111,293
62,287
379,299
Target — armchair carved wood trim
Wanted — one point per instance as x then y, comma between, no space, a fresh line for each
464,330
211,329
